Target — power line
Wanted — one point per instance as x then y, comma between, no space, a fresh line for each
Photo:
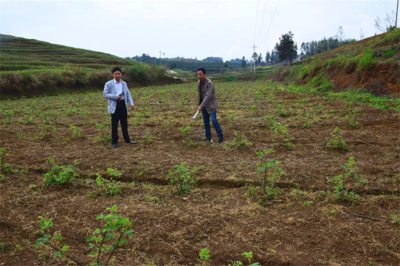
273,16
342,22
255,27
397,12
262,20
359,13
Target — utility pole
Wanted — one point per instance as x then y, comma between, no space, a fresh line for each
160,58
397,12
254,63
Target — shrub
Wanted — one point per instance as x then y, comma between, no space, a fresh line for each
60,175
107,187
181,178
102,242
342,189
389,53
270,172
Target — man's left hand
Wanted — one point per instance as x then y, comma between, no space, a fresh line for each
199,108
133,107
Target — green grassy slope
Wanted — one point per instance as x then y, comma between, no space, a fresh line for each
30,67
21,54
372,64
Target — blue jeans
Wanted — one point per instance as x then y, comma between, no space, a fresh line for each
207,127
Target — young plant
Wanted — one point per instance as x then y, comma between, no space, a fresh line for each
352,117
185,132
104,241
107,187
138,119
182,179
204,256
28,119
5,168
2,163
281,132
52,240
394,218
9,115
270,172
271,120
114,172
101,127
342,189
59,174
240,141
336,140
282,111
253,109
46,131
147,137
76,132
3,246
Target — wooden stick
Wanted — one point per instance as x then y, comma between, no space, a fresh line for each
367,217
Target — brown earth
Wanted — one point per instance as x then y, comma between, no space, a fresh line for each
299,227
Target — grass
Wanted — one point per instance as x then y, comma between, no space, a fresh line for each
358,61
30,67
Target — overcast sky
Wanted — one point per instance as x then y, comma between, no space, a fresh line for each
187,28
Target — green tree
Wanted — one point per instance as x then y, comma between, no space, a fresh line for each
273,56
268,58
259,59
287,48
255,57
244,63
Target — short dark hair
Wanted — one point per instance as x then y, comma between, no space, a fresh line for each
202,70
116,69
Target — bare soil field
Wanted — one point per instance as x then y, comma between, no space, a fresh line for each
302,217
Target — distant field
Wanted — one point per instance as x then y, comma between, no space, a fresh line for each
23,54
31,67
325,209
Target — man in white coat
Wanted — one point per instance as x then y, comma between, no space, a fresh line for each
118,95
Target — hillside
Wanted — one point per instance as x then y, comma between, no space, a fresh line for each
372,64
31,67
21,54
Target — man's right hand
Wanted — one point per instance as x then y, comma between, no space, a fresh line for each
119,98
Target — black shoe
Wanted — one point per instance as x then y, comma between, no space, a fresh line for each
131,142
115,146
220,141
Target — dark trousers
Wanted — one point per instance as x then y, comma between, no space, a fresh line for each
120,114
207,126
